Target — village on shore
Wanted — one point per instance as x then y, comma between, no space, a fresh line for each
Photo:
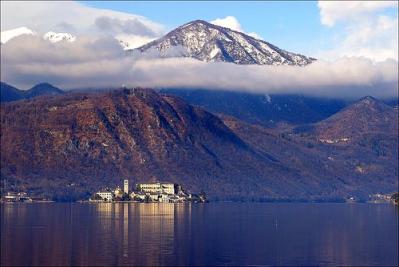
148,192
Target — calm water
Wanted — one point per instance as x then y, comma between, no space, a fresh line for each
199,234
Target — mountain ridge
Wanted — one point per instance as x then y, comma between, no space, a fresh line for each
100,139
10,93
208,42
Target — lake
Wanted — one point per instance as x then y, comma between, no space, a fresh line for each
199,234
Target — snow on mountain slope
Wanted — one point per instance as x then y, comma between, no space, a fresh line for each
208,42
51,36
129,42
59,36
9,34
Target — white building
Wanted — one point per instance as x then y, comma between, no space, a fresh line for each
166,188
126,186
107,196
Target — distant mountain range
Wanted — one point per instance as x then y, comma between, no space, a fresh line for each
268,110
211,43
10,34
51,36
10,93
197,39
68,146
265,109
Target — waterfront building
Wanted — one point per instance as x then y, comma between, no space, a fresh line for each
11,197
17,197
126,186
166,188
106,195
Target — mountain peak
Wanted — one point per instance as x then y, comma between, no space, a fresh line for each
45,86
10,34
195,22
367,100
212,43
43,89
368,114
370,103
59,36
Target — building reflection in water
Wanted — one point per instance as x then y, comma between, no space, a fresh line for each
156,231
143,233
125,230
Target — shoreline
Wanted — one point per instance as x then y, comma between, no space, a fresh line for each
188,202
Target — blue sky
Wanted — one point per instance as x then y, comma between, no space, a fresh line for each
294,26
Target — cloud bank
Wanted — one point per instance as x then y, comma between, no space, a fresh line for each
101,62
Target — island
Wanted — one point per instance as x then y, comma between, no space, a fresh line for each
161,192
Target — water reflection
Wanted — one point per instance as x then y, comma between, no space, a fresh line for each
134,229
212,234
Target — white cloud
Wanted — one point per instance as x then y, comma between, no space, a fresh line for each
347,77
368,31
101,62
228,22
255,35
334,11
233,23
77,19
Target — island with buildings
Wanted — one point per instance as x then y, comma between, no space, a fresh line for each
148,192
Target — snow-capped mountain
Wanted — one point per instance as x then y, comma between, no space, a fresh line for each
208,42
50,36
59,36
9,34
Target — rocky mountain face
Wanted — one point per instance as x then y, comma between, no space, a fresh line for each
211,43
68,146
96,140
10,93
